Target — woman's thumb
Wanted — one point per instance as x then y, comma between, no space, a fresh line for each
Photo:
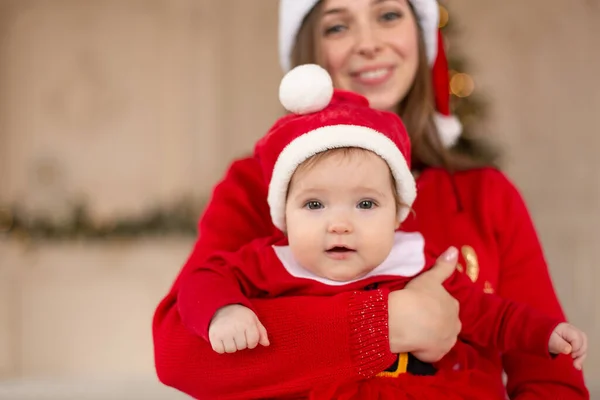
446,264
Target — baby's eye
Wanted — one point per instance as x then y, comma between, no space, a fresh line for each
366,204
313,205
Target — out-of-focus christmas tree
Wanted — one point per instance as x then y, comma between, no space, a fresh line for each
466,102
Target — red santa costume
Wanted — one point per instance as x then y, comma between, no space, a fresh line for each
316,339
325,119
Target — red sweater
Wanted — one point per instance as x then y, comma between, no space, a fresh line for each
333,337
266,268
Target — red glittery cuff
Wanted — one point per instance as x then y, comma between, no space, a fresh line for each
369,332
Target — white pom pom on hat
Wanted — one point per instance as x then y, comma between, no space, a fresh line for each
306,89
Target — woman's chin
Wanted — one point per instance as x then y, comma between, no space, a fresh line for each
383,101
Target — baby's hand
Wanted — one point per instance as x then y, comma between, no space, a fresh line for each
235,327
566,339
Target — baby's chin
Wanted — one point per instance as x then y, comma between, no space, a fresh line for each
347,276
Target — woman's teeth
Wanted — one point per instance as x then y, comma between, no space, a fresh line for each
375,74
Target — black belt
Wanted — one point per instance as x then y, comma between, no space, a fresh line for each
418,367
409,363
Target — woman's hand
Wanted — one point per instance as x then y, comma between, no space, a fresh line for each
423,317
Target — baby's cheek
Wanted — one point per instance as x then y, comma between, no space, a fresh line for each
305,247
377,250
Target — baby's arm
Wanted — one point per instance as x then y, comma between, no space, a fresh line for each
213,298
567,339
491,321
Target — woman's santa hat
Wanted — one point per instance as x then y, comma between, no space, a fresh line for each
322,119
293,12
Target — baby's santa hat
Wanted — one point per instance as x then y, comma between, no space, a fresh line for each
293,12
322,119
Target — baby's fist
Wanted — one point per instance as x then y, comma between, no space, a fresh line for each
566,339
235,327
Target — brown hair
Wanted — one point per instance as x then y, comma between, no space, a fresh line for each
346,152
416,109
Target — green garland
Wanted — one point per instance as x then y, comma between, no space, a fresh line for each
178,220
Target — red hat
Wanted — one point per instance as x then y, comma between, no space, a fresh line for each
322,119
448,125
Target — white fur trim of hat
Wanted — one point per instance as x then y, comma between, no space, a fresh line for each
449,128
331,137
293,12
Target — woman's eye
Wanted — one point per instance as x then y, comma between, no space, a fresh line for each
314,205
366,204
391,16
334,29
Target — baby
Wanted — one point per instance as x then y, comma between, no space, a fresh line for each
340,185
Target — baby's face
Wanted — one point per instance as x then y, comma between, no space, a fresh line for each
341,215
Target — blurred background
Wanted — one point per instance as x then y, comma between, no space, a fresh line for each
118,116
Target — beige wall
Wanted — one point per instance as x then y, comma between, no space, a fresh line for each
132,102
83,309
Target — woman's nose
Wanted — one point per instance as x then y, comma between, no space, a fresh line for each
367,42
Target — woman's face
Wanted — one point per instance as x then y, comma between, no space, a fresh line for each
370,47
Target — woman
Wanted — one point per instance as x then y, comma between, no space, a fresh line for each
385,50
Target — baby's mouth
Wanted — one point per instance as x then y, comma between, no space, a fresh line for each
340,249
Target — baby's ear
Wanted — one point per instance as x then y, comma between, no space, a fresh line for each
398,220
